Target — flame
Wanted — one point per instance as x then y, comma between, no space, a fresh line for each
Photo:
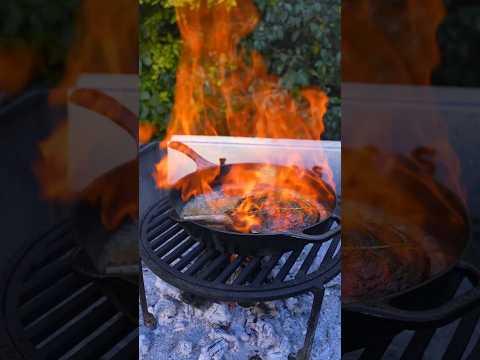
405,52
115,194
390,43
24,61
222,89
400,175
106,41
145,132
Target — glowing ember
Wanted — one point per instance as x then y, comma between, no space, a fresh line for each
222,89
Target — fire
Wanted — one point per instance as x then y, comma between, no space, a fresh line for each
284,209
106,42
386,43
399,172
25,62
145,132
405,52
222,89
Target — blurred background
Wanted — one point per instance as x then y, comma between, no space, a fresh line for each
68,139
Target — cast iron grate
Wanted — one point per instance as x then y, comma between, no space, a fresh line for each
55,313
458,340
185,262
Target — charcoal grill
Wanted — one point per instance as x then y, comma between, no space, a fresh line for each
52,312
206,273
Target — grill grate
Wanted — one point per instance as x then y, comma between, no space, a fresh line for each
185,262
56,313
458,340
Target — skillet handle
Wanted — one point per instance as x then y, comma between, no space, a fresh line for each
440,315
200,161
321,237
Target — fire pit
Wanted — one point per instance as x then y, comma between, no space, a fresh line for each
204,272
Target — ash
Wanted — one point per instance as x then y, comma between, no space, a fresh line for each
226,331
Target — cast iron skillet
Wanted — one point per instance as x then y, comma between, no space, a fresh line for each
373,311
246,243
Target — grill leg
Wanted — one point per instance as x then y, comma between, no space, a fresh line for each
306,351
148,317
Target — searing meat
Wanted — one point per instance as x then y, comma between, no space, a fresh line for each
380,256
214,203
256,212
279,212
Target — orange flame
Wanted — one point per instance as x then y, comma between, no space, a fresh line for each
106,42
222,89
401,224
387,43
22,62
145,132
274,195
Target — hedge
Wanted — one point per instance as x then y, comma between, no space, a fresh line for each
299,38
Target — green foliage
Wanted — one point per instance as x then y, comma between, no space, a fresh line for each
159,53
299,38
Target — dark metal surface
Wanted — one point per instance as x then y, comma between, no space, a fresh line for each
306,351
